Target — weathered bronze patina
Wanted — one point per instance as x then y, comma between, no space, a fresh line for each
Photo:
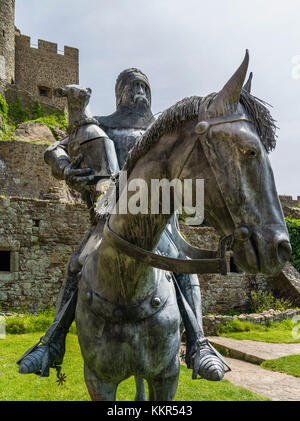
128,312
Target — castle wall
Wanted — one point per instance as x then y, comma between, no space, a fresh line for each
24,173
40,70
221,293
40,236
7,43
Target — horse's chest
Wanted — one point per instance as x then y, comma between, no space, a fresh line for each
120,350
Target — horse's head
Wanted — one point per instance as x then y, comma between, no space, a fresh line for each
236,131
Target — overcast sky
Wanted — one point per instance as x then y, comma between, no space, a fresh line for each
186,47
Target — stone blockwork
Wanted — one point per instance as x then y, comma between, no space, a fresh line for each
212,322
38,71
32,73
24,173
221,293
40,237
232,291
7,43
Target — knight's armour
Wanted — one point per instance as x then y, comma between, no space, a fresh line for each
97,149
124,140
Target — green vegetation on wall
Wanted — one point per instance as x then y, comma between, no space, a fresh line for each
14,114
3,109
293,226
262,300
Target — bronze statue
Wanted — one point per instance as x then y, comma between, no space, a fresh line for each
92,138
128,313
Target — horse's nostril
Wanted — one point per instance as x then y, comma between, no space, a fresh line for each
284,251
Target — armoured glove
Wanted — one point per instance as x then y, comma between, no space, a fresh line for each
77,178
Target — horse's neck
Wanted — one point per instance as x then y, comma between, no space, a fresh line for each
121,278
76,114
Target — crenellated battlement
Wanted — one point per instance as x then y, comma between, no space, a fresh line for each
24,42
32,72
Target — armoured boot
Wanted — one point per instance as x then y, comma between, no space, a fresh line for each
49,351
200,355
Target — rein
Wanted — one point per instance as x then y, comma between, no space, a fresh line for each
199,260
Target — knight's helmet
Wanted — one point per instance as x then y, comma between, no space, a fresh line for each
125,79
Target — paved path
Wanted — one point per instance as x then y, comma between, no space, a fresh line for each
253,351
246,355
271,384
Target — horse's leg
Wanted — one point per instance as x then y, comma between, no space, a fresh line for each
99,390
140,394
164,386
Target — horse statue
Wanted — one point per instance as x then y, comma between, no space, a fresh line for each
127,315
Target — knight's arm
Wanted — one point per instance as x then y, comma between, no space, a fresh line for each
57,157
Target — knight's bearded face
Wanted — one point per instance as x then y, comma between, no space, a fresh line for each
136,95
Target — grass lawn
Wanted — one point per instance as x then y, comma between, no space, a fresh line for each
277,332
17,387
289,365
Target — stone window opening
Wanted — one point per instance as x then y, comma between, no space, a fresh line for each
9,260
36,223
3,33
44,91
5,261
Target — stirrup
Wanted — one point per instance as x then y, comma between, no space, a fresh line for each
201,359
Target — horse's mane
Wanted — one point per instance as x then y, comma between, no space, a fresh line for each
262,119
168,121
188,109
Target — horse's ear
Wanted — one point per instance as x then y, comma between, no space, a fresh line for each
230,94
247,86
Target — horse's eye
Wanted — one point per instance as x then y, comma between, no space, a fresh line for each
250,152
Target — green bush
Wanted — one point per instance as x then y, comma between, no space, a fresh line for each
236,325
262,300
3,109
16,113
37,110
29,323
293,226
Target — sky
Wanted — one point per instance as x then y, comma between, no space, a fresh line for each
186,48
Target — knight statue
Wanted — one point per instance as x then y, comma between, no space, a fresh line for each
120,130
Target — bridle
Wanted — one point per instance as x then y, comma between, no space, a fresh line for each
199,260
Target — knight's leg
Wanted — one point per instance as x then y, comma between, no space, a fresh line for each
50,353
197,349
99,390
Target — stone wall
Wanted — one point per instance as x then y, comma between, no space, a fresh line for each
40,237
32,72
42,68
222,293
211,322
24,173
7,43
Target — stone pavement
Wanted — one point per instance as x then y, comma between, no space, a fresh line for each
253,351
244,359
271,384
